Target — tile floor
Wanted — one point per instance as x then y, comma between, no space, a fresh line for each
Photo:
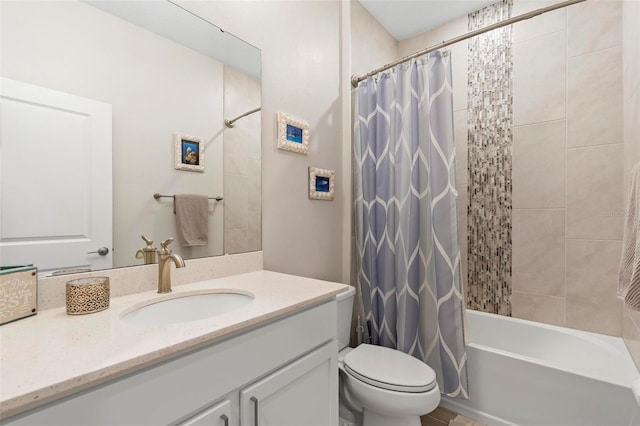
444,417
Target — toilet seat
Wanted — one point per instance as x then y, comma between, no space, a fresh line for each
389,369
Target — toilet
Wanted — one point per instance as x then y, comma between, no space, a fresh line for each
380,386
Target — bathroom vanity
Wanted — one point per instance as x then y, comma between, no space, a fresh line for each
272,361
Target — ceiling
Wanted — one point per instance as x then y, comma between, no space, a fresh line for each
407,18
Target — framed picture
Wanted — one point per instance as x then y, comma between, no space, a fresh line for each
189,152
293,134
321,184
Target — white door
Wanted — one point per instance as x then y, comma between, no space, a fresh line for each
304,393
55,179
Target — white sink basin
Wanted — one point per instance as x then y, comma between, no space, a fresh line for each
189,306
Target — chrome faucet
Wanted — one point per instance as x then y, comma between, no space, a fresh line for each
164,266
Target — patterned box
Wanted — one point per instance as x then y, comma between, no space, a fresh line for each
18,293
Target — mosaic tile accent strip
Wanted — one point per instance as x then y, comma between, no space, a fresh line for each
490,100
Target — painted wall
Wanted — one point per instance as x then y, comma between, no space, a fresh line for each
147,79
631,84
371,44
567,160
300,43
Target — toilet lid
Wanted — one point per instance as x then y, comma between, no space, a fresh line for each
389,369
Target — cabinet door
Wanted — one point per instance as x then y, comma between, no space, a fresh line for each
218,415
304,393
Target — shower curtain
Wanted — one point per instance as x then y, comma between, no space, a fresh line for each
409,272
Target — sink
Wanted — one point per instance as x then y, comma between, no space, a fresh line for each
189,306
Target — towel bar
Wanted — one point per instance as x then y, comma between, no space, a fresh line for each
157,196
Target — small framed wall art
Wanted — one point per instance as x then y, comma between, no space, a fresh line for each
293,134
189,152
321,184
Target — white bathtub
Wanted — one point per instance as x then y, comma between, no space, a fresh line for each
527,373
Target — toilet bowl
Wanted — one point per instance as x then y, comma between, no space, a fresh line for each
381,386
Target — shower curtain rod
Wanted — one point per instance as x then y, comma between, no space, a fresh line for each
355,80
229,123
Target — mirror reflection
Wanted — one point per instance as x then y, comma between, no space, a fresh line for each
101,103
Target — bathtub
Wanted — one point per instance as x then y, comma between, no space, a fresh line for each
527,373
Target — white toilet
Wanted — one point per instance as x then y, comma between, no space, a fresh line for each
380,386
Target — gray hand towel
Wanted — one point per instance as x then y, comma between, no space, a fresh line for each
629,275
192,219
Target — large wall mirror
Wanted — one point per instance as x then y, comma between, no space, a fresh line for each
100,101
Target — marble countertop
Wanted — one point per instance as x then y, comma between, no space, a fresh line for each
52,354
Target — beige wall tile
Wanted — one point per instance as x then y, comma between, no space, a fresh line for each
548,23
235,241
463,233
539,158
431,37
460,74
535,307
631,45
254,236
592,280
236,159
254,91
631,335
594,98
634,315
631,131
594,25
460,128
254,148
413,44
539,82
242,159
594,192
449,30
236,92
236,206
538,251
626,188
255,185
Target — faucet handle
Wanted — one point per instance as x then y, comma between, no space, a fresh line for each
147,240
164,244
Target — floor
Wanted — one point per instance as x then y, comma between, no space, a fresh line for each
443,417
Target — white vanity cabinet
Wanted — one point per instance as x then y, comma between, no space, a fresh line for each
282,398
285,372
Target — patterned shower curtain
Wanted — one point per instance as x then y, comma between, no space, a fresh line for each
409,272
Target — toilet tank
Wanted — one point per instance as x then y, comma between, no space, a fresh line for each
345,308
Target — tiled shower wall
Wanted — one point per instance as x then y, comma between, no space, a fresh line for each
489,162
242,168
567,160
631,84
568,166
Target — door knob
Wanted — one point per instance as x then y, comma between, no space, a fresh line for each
102,251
